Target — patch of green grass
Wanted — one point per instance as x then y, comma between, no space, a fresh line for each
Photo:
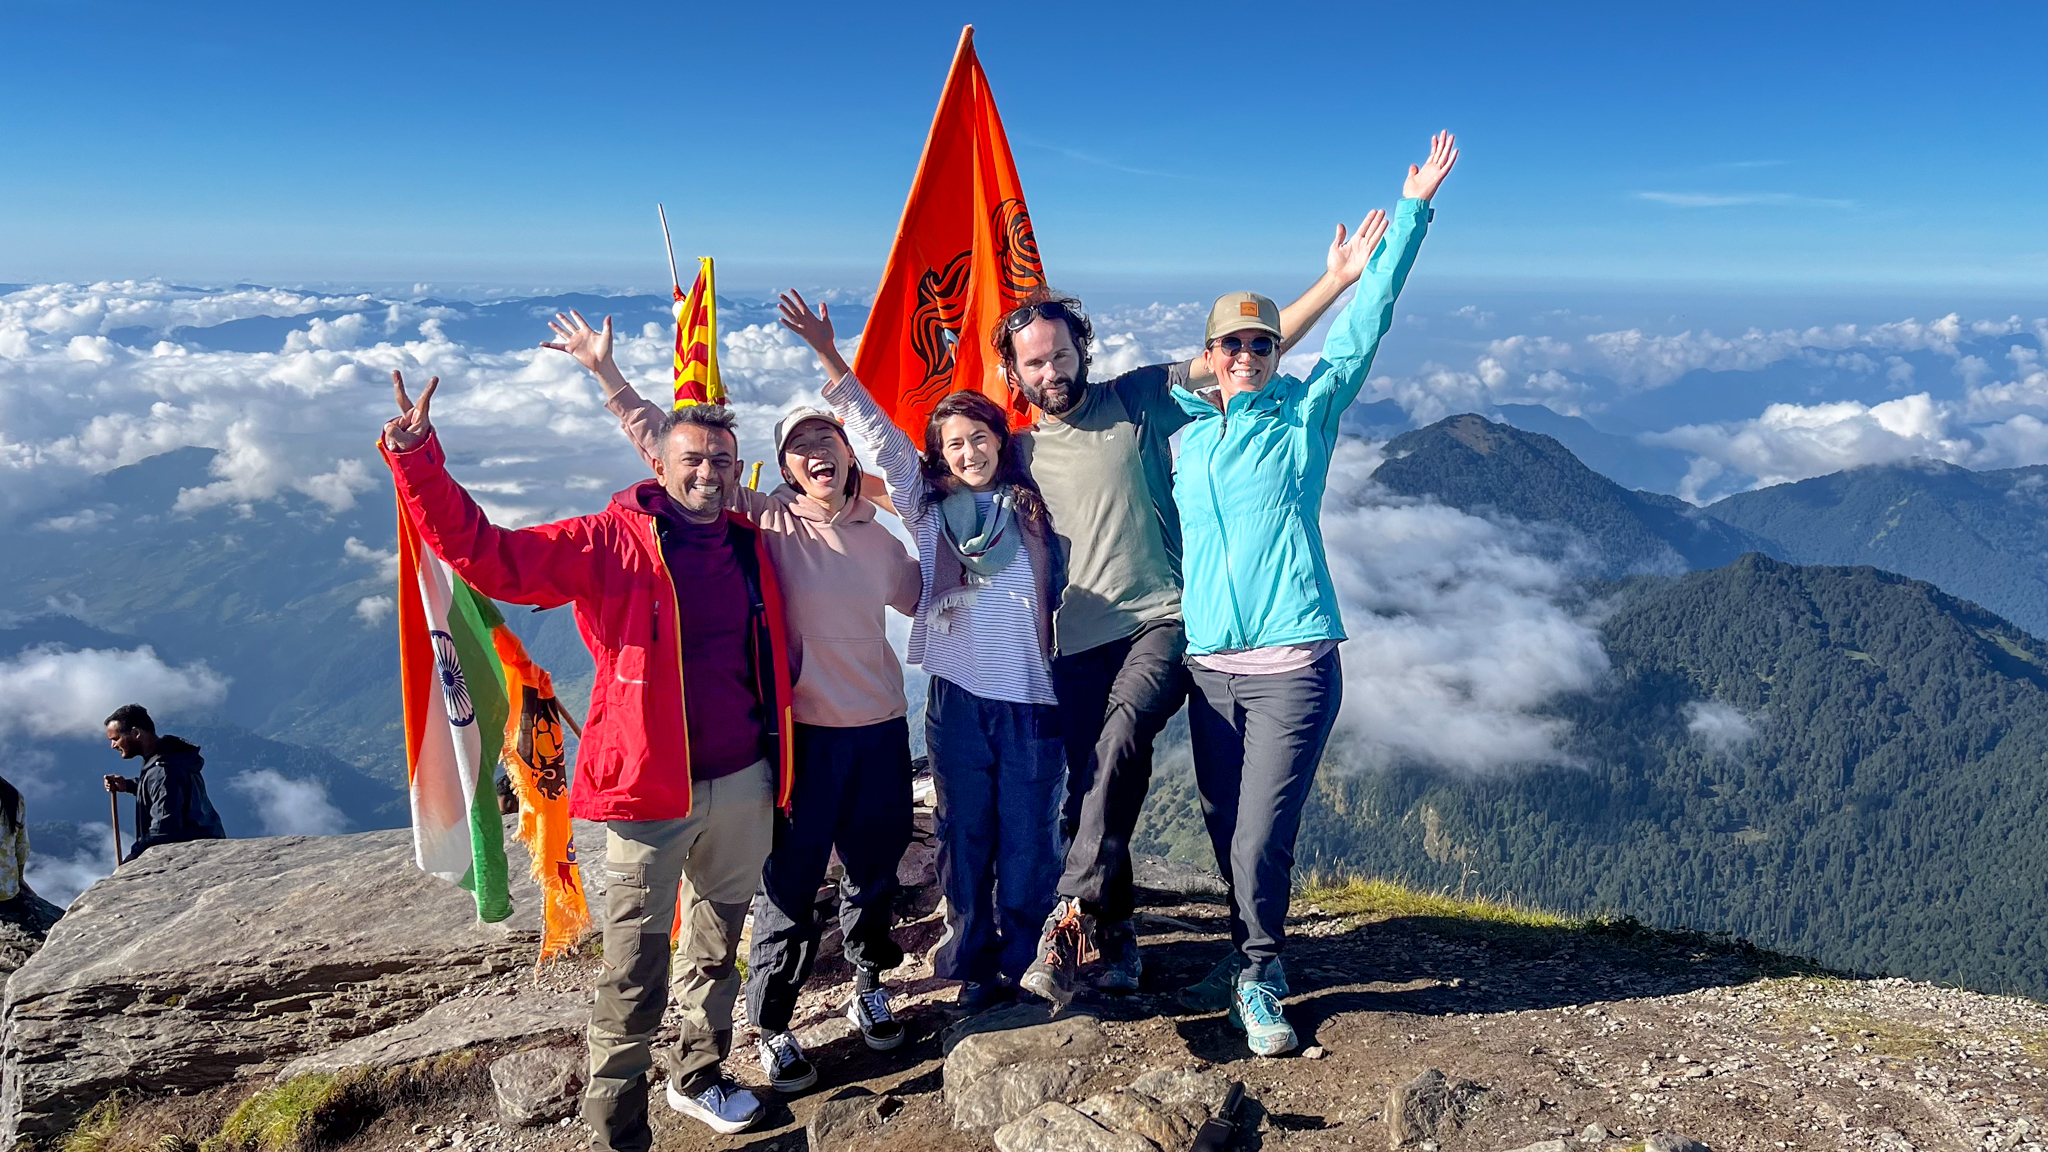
1376,899
291,1116
96,1128
1371,900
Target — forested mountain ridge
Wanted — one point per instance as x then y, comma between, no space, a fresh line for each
1838,762
1980,535
1476,465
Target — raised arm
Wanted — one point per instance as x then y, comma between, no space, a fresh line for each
544,566
639,418
1355,338
902,467
1342,265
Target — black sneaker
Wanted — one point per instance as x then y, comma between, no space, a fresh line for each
869,1011
783,1059
1063,947
1121,968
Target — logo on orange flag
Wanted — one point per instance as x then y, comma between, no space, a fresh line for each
697,379
535,757
963,258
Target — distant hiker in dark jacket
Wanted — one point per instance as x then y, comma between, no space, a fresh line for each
170,797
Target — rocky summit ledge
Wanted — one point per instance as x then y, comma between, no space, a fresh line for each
204,962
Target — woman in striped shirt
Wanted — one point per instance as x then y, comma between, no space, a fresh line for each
991,578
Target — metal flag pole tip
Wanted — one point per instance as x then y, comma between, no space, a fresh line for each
673,276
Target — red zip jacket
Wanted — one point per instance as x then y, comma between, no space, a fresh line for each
634,760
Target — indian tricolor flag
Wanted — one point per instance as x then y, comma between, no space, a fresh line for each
455,711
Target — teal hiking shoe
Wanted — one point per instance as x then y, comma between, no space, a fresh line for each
1214,992
1256,1009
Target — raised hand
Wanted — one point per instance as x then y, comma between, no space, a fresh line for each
1423,181
410,428
591,347
814,328
1347,258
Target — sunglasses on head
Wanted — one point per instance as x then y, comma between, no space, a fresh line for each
1021,319
1258,345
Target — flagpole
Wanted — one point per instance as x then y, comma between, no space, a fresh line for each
671,245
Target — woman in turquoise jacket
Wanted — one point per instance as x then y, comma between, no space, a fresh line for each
1262,617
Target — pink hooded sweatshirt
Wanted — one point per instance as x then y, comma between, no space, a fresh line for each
837,575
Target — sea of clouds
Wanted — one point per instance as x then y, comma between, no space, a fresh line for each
1460,631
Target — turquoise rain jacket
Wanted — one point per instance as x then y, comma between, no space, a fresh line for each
1250,478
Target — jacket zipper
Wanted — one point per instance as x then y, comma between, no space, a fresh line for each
682,698
1222,532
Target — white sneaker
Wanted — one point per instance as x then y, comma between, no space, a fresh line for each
870,1013
724,1107
783,1059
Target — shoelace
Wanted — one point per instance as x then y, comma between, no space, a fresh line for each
1070,933
876,1006
785,1048
1260,1003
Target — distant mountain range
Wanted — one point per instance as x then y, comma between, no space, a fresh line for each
1982,536
1477,465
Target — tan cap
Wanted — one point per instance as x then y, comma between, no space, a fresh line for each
1239,311
786,426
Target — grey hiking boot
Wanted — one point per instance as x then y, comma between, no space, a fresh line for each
1216,991
1064,945
1121,968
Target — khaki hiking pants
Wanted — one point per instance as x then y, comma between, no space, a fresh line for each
714,854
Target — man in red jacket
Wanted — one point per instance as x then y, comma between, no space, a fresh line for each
687,749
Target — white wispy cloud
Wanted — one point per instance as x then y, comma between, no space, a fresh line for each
1797,442
1460,633
288,807
52,691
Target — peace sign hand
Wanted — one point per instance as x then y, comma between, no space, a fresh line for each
1424,180
410,428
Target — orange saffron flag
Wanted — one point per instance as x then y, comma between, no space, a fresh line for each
963,258
697,379
536,761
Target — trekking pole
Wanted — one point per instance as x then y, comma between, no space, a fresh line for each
114,814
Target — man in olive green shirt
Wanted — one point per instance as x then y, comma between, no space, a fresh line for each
1103,459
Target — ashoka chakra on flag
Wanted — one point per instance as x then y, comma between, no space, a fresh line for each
454,689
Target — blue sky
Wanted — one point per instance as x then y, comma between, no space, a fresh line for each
1842,149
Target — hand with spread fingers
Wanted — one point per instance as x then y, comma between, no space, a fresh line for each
592,347
1425,179
814,329
1347,258
411,427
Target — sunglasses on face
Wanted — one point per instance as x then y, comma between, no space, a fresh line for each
1021,319
1257,345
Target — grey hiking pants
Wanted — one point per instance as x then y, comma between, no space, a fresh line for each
1257,740
714,856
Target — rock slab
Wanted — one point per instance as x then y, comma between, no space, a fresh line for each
993,1078
454,1025
208,960
847,1117
1054,1127
539,1085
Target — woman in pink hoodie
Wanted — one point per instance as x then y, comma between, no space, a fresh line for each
838,567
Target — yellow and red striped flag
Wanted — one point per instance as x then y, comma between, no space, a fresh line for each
697,379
